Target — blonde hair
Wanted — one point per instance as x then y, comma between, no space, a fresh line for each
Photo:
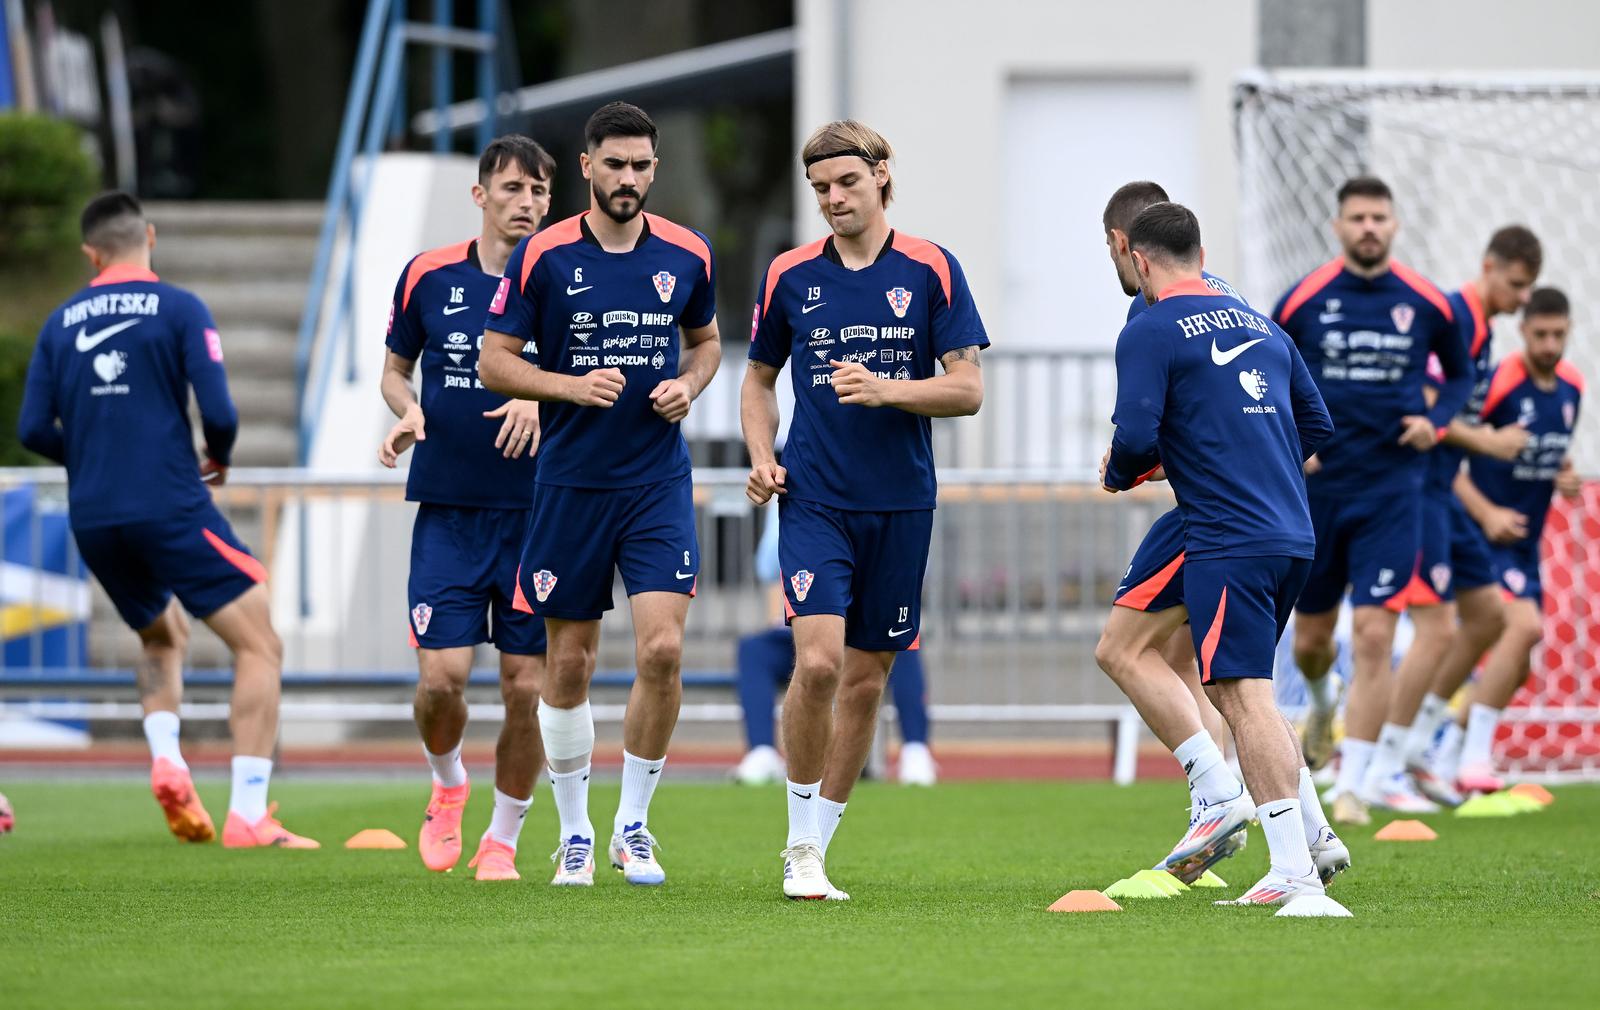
846,137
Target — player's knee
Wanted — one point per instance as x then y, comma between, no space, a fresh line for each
169,634
519,688
435,693
1311,641
1488,627
1527,630
819,664
660,654
1373,637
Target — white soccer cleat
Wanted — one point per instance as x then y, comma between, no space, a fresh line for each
1348,808
916,765
1314,906
1433,787
634,853
803,875
761,766
834,894
1398,795
1330,855
1210,838
574,861
1278,889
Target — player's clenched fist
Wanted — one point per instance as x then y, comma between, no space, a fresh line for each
766,480
599,388
853,383
671,399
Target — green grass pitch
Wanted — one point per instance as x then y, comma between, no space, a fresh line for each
99,907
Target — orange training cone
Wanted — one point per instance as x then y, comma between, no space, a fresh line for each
1534,792
1085,901
375,838
1406,831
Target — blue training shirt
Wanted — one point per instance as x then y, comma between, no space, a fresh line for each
1220,397
440,304
584,309
897,317
1444,462
1366,342
1549,415
114,365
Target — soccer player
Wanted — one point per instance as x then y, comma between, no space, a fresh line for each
1455,577
861,316
107,396
472,477
1139,650
1219,397
1365,325
1539,391
604,296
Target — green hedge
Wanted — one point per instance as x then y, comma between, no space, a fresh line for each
45,178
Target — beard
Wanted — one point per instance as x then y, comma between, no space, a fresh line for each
1369,260
607,203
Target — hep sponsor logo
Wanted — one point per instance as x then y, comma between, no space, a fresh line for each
801,582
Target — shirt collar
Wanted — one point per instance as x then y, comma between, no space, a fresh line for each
831,254
122,273
588,233
1192,286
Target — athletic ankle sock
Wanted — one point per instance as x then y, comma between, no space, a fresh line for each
1387,757
505,824
1311,814
1210,778
447,768
1447,764
251,776
829,813
161,733
1282,823
639,778
1321,692
803,826
571,792
1430,714
1482,721
1354,758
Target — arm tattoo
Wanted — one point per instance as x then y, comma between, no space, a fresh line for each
968,353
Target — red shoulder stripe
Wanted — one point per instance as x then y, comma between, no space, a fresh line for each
1315,281
1568,371
1513,371
923,251
1424,287
561,233
681,237
1480,323
784,261
433,259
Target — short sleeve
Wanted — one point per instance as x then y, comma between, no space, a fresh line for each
515,308
701,308
771,338
406,336
954,320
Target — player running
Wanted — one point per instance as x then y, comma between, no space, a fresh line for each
472,477
861,317
603,296
107,396
1454,576
1220,398
1365,325
1139,650
1537,390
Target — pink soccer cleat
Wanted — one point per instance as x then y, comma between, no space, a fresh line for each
495,860
1478,778
174,790
440,840
237,833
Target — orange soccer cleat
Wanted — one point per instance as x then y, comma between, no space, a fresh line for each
237,833
440,840
495,860
174,790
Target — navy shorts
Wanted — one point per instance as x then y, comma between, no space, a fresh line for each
1367,544
1434,580
1470,561
464,580
580,537
194,556
1517,567
1238,608
867,567
1154,579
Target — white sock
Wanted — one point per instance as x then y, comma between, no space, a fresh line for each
1482,721
829,814
1434,710
251,776
1210,778
1311,815
571,791
506,822
639,778
1283,825
1448,763
803,826
1387,758
448,770
1354,758
161,733
1321,692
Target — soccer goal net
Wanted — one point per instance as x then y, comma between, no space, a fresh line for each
1463,157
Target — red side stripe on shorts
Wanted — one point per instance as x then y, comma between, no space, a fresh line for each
788,609
916,643
1208,648
411,635
1140,596
237,558
518,601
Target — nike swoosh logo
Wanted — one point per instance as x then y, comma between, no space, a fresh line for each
1330,317
458,308
804,796
807,308
1221,357
654,771
89,341
1383,590
681,575
572,290
1276,813
896,634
